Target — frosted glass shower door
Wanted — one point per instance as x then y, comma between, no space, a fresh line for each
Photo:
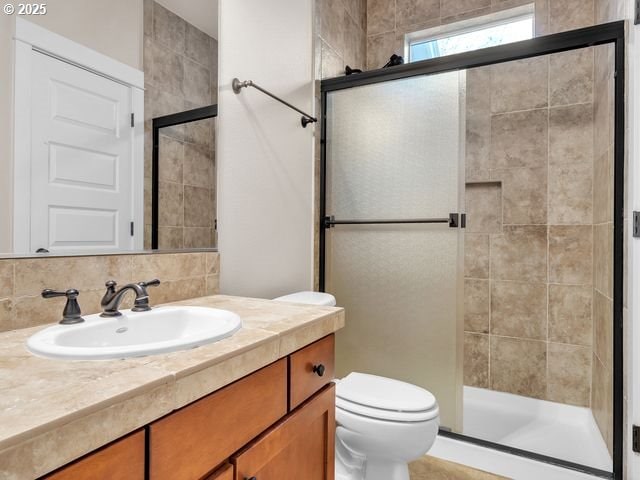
394,153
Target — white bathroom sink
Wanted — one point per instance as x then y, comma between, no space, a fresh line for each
135,334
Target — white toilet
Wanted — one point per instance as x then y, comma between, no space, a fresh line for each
382,424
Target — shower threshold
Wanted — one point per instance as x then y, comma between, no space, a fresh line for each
545,428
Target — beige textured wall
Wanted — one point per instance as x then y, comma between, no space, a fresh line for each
112,27
181,73
183,276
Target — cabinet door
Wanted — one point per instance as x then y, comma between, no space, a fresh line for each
121,460
302,446
224,473
310,369
189,443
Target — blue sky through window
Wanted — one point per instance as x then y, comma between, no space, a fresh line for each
514,31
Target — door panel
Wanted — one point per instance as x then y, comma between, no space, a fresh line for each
81,159
394,152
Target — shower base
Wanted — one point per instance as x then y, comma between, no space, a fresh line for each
557,430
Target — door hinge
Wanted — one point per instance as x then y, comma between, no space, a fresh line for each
636,19
133,120
635,443
132,228
454,220
636,224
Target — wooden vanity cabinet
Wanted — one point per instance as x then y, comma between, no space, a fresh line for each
123,459
302,446
277,423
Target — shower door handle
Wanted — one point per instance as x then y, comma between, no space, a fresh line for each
454,220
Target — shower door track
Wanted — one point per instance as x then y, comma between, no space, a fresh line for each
609,33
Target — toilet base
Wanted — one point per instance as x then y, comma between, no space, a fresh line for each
386,470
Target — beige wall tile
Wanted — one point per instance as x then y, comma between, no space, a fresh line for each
170,159
198,46
484,208
476,360
570,314
569,374
519,366
519,310
603,329
520,254
603,258
355,44
198,237
212,284
170,204
570,254
7,314
571,135
411,12
478,124
6,278
519,139
571,77
456,7
169,266
603,188
212,263
380,48
602,400
332,22
570,14
175,290
519,85
170,238
524,195
198,207
571,194
476,255
332,63
476,306
196,85
381,16
168,28
198,166
357,10
61,273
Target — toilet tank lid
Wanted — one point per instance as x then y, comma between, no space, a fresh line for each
310,298
384,393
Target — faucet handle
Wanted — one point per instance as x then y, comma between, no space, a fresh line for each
151,283
71,313
142,302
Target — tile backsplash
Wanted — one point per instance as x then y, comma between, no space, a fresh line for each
183,276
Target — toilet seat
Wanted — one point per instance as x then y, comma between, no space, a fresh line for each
388,415
385,399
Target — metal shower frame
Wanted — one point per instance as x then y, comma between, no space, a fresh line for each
609,33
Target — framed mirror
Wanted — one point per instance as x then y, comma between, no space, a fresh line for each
85,175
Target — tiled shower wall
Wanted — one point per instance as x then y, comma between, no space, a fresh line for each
602,355
529,237
180,65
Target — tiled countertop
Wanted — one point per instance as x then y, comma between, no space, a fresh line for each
54,411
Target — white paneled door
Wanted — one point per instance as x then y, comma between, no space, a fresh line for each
81,159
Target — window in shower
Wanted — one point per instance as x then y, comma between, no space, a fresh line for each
488,31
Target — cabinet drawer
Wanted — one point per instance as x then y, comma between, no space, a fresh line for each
121,460
190,442
301,446
310,369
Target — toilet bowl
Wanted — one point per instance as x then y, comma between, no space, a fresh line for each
382,424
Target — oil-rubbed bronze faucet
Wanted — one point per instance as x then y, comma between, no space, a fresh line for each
112,298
